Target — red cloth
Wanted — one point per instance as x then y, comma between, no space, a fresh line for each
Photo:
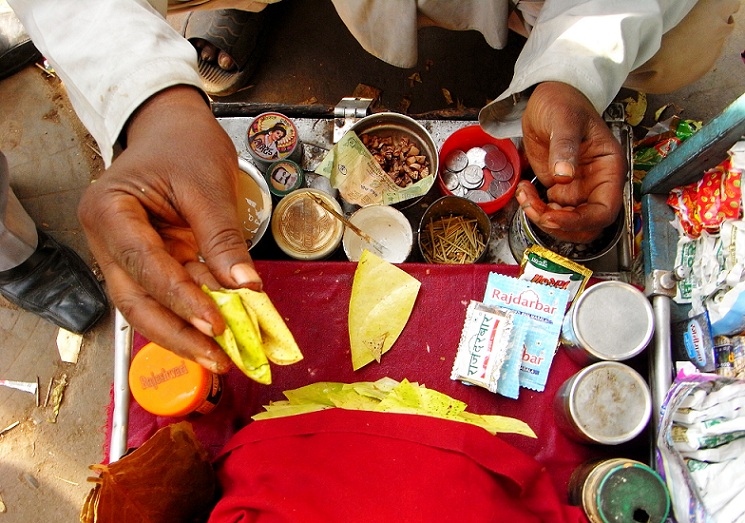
341,466
314,300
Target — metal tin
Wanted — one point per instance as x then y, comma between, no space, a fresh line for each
303,229
523,234
452,206
611,320
283,177
386,225
606,403
254,203
273,137
619,489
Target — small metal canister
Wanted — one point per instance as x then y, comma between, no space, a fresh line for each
283,177
273,137
611,320
619,489
605,403
303,229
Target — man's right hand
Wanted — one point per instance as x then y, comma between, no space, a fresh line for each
167,202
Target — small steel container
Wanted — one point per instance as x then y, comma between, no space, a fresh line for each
254,203
385,224
283,177
619,489
303,229
611,320
273,137
431,234
606,403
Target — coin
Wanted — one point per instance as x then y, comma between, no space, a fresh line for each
456,160
498,188
495,160
476,156
472,177
479,196
505,174
451,180
459,191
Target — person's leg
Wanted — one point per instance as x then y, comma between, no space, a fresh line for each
689,50
41,276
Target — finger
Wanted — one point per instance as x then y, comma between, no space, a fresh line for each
563,151
161,325
529,200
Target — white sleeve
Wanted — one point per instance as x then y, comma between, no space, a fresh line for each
111,55
594,45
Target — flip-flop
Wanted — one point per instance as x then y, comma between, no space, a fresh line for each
16,48
238,33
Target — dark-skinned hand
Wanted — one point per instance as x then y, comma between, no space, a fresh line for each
576,157
168,199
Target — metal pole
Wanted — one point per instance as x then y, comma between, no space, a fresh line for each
122,356
660,361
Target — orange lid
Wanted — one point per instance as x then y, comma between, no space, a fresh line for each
165,384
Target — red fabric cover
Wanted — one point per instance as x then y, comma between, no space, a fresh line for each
313,297
341,466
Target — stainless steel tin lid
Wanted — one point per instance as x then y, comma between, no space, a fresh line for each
273,137
385,224
611,320
303,229
254,202
283,177
607,403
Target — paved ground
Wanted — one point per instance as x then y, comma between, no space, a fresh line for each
43,464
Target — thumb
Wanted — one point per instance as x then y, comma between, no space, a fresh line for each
563,152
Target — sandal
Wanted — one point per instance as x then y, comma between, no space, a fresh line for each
16,48
237,33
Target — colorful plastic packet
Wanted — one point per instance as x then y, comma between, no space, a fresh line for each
544,266
483,345
539,314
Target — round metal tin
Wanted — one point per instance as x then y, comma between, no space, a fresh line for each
619,489
303,229
611,320
273,137
283,177
386,225
606,403
254,202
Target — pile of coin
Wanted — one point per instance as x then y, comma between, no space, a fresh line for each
480,174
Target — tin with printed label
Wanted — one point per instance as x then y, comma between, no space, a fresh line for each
611,320
273,137
606,403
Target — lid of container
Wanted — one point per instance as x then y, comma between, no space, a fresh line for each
610,402
272,137
165,384
303,229
254,202
283,177
613,320
385,224
632,492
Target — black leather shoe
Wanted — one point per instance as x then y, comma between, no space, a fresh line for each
16,48
56,284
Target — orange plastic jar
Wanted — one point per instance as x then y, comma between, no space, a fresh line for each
166,384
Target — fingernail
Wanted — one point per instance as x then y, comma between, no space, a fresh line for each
244,274
562,168
519,195
548,224
204,327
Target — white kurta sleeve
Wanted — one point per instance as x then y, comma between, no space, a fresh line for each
592,45
111,55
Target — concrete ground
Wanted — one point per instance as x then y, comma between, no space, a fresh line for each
44,462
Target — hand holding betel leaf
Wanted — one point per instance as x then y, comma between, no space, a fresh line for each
255,334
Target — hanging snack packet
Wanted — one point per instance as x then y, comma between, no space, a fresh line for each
544,266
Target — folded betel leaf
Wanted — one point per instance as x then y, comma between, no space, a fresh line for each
241,340
278,342
169,479
382,300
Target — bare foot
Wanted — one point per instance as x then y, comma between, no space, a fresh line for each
210,53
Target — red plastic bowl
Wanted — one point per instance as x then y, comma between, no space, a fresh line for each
475,136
